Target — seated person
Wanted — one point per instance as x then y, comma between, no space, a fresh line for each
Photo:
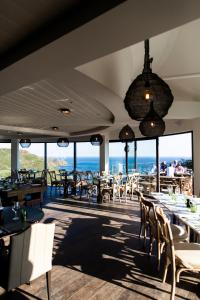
170,170
179,169
163,167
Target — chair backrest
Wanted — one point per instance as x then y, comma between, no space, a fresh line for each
149,212
52,175
138,194
31,254
165,232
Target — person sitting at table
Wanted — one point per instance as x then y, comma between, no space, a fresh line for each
179,169
170,170
163,167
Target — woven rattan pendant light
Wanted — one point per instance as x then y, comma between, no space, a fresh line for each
145,88
152,125
126,134
96,140
62,142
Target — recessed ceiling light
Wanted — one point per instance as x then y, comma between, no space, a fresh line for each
65,111
55,128
62,100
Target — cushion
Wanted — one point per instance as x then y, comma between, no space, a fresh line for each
179,233
188,254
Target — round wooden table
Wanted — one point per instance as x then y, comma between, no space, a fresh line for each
9,226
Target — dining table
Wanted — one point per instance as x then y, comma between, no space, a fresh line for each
9,225
176,204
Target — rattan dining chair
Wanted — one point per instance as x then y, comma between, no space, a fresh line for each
57,183
181,256
149,227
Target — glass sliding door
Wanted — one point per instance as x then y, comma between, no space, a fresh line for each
32,158
60,158
87,157
117,158
5,160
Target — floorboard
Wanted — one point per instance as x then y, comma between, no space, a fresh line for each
98,256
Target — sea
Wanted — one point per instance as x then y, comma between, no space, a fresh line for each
118,164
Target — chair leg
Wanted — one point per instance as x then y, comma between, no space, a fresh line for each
48,279
173,287
165,269
141,227
159,254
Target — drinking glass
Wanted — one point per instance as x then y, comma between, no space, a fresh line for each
15,209
170,190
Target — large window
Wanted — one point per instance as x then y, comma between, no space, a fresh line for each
59,158
32,158
177,148
5,159
146,156
88,158
117,160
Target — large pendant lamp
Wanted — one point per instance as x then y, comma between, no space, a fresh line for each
147,87
25,143
62,142
96,139
126,134
152,125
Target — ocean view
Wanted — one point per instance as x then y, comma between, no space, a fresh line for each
117,164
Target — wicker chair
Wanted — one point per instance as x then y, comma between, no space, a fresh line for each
181,256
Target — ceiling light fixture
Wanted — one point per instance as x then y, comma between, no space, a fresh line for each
152,125
25,143
63,142
126,134
65,111
145,88
55,128
96,139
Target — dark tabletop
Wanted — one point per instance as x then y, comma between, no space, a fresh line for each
10,226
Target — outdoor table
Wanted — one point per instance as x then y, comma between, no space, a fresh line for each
178,207
9,226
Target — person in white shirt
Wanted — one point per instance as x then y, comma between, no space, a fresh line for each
170,170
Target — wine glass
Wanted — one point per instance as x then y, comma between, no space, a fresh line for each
15,208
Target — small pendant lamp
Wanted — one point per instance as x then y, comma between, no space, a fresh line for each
152,125
25,143
62,142
96,140
126,134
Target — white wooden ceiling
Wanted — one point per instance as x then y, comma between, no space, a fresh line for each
89,70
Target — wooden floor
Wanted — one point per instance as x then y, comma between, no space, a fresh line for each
98,256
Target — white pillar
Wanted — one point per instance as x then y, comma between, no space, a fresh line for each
104,155
14,154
